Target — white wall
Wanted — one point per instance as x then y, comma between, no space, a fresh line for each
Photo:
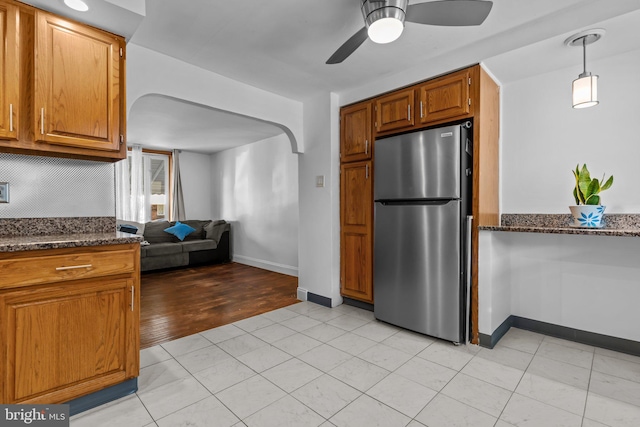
195,174
543,138
255,187
494,290
588,283
582,282
320,207
150,72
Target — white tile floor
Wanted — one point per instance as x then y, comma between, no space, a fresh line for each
308,365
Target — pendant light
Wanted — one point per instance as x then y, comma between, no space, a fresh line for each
585,87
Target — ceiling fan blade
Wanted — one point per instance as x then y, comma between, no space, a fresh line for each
348,47
454,13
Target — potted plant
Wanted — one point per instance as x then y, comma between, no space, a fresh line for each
588,211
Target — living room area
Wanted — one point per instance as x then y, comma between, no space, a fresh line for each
238,185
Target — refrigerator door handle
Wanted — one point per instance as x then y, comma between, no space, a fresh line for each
468,284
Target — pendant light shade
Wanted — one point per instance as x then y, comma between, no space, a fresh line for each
585,87
585,91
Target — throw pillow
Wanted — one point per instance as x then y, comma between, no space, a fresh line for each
180,230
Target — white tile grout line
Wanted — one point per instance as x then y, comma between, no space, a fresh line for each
413,356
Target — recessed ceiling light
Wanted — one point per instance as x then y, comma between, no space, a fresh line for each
78,5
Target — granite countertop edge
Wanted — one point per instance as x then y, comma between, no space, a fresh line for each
61,241
617,225
565,230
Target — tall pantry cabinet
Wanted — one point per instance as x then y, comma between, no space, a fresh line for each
466,94
356,203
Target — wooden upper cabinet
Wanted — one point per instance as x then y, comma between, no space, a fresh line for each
9,72
77,84
355,132
356,231
395,111
446,98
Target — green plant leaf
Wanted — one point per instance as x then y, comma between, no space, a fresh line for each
584,181
593,200
577,194
607,184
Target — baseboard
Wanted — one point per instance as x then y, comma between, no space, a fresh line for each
355,303
103,396
289,270
319,299
490,341
621,345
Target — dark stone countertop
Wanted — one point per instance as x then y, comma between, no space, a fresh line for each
59,241
621,225
28,234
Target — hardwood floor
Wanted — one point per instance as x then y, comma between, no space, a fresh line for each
181,302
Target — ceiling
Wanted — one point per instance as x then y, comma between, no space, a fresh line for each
157,121
282,45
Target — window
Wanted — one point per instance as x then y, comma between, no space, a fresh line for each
159,201
143,189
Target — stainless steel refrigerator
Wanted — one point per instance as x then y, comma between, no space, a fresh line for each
422,194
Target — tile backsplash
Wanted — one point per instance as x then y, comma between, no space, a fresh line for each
43,187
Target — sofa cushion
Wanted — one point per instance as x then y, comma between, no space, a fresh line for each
198,245
215,229
170,261
199,226
180,230
161,249
154,232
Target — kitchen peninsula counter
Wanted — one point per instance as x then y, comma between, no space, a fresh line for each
620,225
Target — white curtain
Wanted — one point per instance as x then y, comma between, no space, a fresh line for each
138,207
123,191
133,187
177,207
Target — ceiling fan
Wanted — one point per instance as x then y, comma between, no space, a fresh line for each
384,19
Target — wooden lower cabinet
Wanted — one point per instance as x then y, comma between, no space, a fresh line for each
68,338
356,231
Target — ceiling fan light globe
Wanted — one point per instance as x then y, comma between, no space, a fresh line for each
78,5
385,30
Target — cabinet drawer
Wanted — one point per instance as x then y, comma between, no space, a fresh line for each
55,268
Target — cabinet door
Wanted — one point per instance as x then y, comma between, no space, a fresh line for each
447,97
64,341
77,85
395,111
355,132
356,243
9,71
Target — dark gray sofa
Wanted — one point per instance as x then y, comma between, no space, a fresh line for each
209,244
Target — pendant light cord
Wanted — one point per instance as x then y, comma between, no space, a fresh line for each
584,55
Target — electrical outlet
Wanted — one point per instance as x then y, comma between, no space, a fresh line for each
4,192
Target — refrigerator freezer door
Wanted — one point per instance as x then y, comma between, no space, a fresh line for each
418,165
417,274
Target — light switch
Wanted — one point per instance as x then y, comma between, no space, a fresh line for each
4,192
320,181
